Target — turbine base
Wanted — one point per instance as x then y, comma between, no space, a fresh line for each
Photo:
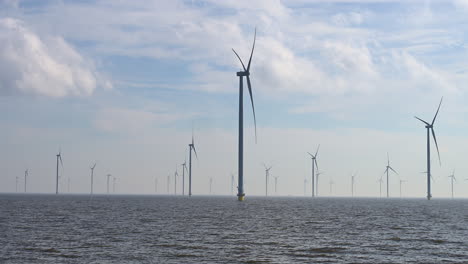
240,197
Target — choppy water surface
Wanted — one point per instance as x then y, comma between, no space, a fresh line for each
144,229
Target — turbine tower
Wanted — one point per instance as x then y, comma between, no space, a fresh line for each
353,176
430,128
59,157
380,185
314,164
184,168
232,183
26,174
331,185
241,75
108,176
452,179
191,146
92,177
267,174
276,184
388,167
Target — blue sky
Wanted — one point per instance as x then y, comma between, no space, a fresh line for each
123,82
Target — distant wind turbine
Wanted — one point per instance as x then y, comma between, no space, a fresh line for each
314,165
211,183
176,174
232,183
276,184
267,174
184,168
380,185
331,185
191,147
401,181
26,174
241,75
108,176
353,176
114,179
92,177
452,179
430,128
59,157
388,167
317,174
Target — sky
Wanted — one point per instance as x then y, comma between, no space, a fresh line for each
123,84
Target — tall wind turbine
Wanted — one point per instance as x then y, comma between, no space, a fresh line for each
401,181
26,174
241,75
267,174
184,168
430,128
92,177
191,147
276,184
314,164
353,176
452,179
59,157
388,167
108,176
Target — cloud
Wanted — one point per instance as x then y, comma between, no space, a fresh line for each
49,66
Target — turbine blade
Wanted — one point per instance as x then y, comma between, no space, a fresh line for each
388,160
422,120
253,107
316,164
317,151
433,120
311,155
437,146
239,60
251,53
195,151
60,157
394,170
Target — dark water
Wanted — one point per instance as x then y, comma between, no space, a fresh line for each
143,229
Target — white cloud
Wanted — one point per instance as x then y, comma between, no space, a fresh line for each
48,66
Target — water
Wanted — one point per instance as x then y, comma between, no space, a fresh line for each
145,229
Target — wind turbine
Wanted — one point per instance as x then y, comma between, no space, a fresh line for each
314,164
232,183
191,146
452,179
176,174
430,128
211,183
380,185
241,74
276,184
59,157
26,174
184,168
401,181
114,179
267,174
331,185
108,176
317,180
388,167
353,176
92,176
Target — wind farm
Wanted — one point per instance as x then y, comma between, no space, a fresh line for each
293,106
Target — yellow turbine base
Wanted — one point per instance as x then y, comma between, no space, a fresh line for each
240,198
